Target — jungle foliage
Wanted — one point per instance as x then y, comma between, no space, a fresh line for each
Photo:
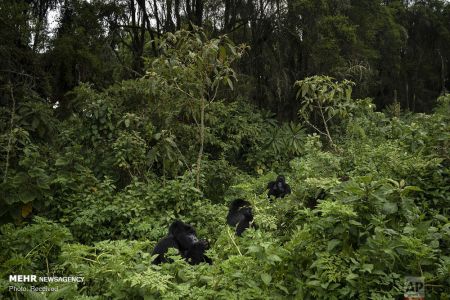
106,138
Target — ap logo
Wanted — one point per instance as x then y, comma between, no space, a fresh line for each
414,288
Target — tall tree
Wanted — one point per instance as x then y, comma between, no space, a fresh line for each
82,50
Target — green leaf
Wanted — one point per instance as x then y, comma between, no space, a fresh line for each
266,278
351,276
284,289
356,223
367,268
222,53
61,162
313,283
390,208
254,249
441,218
332,244
304,90
413,188
274,258
27,196
230,84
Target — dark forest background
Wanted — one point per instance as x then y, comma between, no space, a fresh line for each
394,50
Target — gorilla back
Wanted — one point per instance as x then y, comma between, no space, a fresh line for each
183,238
240,215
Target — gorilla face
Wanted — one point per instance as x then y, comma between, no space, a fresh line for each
280,179
196,254
184,234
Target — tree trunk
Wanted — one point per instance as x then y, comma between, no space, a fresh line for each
170,26
202,139
177,14
199,12
158,22
226,16
142,5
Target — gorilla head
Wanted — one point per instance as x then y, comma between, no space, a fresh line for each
195,254
280,181
184,234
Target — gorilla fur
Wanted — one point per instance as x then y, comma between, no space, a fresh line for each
278,188
240,215
183,238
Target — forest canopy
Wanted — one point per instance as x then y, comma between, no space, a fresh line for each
119,117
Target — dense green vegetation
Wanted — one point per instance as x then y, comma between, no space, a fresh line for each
114,126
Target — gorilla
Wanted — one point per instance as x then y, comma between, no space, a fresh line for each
312,201
183,238
278,188
240,215
196,254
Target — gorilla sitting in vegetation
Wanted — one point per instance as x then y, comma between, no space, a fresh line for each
278,188
240,216
183,238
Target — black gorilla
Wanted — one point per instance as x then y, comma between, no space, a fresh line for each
312,201
240,215
278,188
183,238
196,254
